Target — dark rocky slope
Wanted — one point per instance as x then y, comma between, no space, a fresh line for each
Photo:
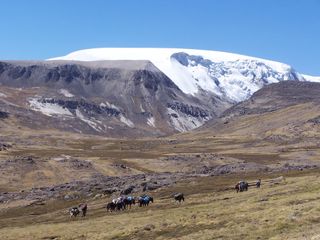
111,98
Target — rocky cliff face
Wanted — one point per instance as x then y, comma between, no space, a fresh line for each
111,98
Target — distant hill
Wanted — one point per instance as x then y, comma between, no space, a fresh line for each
287,111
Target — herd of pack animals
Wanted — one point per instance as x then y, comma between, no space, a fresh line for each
125,202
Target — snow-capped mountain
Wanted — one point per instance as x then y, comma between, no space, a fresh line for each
311,78
133,92
232,76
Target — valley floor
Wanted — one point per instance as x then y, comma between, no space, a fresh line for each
285,207
45,173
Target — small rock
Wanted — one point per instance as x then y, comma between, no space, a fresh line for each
128,190
263,200
97,196
109,190
149,227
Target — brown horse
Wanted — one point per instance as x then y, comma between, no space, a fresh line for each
83,207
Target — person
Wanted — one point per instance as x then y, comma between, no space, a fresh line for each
242,185
258,183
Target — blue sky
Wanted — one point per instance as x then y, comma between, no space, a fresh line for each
282,30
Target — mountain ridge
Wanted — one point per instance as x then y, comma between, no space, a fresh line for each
229,75
113,98
134,92
283,112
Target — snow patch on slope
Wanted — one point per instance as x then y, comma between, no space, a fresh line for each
109,105
141,108
92,124
66,93
126,121
311,78
151,122
183,122
48,109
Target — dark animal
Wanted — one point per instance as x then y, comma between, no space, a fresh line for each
116,204
111,206
242,186
128,201
83,207
144,200
74,211
120,205
178,197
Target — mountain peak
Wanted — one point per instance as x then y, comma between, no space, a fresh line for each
137,91
229,75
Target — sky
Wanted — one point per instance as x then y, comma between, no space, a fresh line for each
282,30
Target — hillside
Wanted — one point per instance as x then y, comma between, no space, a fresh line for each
45,172
109,98
283,208
286,111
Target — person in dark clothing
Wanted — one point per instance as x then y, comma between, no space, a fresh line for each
258,183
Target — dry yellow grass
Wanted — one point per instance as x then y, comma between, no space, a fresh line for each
143,155
287,210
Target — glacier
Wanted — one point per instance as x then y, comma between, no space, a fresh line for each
232,76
